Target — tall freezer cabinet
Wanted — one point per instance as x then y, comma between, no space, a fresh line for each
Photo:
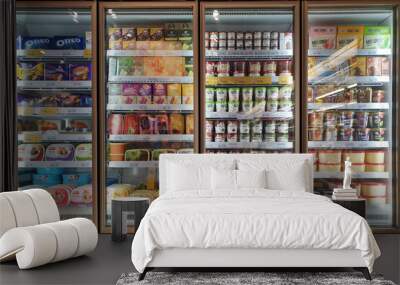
149,100
351,97
250,79
56,99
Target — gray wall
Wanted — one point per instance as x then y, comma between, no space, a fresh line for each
389,262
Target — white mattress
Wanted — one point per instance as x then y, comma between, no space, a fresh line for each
252,219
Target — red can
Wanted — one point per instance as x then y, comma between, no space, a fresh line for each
269,67
239,68
378,96
211,68
254,68
223,68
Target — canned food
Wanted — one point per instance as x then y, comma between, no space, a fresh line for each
285,93
222,35
364,95
376,119
233,137
330,119
254,68
221,44
248,36
349,96
239,44
210,101
284,66
362,134
247,105
231,35
257,44
315,134
248,44
315,119
209,137
220,137
272,93
282,127
331,134
282,137
266,35
211,67
233,94
269,67
239,68
257,35
233,106
272,105
345,134
244,137
346,119
209,126
260,93
269,126
274,35
247,93
231,44
274,44
244,127
220,127
239,35
378,96
223,68
377,134
361,119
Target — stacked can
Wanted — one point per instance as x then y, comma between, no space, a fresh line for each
269,68
256,131
282,129
272,99
274,41
233,95
260,95
257,40
284,97
221,102
232,131
239,40
244,130
210,101
207,40
269,131
213,39
220,131
247,99
248,40
222,40
209,131
231,41
266,37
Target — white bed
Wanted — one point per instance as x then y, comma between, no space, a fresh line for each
204,219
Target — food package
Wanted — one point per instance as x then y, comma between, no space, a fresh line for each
358,66
61,194
189,123
171,31
347,34
82,195
50,170
56,72
174,99
30,71
329,167
115,124
126,66
164,66
128,38
160,100
322,37
119,190
81,71
330,156
358,167
146,124
376,37
77,125
112,66
137,155
185,150
378,167
177,123
49,125
114,38
117,151
33,42
83,151
131,124
88,40
130,89
30,152
156,33
187,90
174,89
142,34
355,156
122,99
159,89
285,41
374,66
76,179
189,66
375,156
68,42
115,89
373,189
46,180
62,151
155,153
385,66
145,89
161,124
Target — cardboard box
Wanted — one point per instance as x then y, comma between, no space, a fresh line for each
322,37
376,37
347,34
128,38
114,38
358,66
374,66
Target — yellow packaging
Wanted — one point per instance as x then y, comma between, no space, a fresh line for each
346,34
164,66
177,123
358,66
187,90
188,100
174,89
114,38
189,124
129,38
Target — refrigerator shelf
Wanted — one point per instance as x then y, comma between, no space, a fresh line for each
150,107
62,164
244,116
249,145
131,164
339,80
360,175
54,111
48,84
53,137
249,80
360,52
27,54
151,138
348,106
251,54
348,144
117,53
150,79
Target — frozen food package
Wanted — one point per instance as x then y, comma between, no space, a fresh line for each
76,179
61,194
128,38
143,34
188,66
174,89
347,34
60,152
114,89
385,66
131,124
171,31
161,100
70,100
46,180
185,32
126,66
82,195
187,90
188,100
358,66
374,66
177,123
174,99
112,66
114,38
88,40
30,71
115,124
159,89
137,155
68,42
146,124
164,66
156,33
80,71
161,124
189,123
322,37
130,89
49,125
57,72
77,125
83,151
30,152
285,41
377,37
33,42
155,153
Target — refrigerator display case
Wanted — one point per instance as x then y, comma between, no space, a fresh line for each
350,99
249,89
149,95
55,102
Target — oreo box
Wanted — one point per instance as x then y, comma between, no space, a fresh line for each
56,72
33,42
68,42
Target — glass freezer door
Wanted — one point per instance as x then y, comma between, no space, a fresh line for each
249,93
54,106
149,96
350,115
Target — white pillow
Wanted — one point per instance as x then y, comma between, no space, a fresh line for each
183,177
223,179
251,179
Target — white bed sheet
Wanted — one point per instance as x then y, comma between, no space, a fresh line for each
252,218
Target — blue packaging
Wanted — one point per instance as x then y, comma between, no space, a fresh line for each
46,179
33,42
57,72
49,170
68,42
76,179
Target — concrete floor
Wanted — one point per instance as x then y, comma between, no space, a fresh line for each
103,266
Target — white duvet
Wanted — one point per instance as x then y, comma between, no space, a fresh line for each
256,218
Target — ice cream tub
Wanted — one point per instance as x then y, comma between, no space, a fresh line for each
82,195
362,134
375,156
117,148
61,194
358,167
115,124
373,189
76,179
30,152
315,134
83,151
63,152
375,167
355,156
137,155
329,167
46,180
330,156
377,134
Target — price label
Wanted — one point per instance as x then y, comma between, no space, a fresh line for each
87,53
285,79
35,53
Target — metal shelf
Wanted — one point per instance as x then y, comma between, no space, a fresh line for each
150,79
253,54
348,106
151,138
252,145
62,164
150,107
131,164
355,175
53,137
46,84
54,53
362,80
230,81
244,116
348,144
117,53
54,111
360,52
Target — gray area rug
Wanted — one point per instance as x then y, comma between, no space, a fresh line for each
236,278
